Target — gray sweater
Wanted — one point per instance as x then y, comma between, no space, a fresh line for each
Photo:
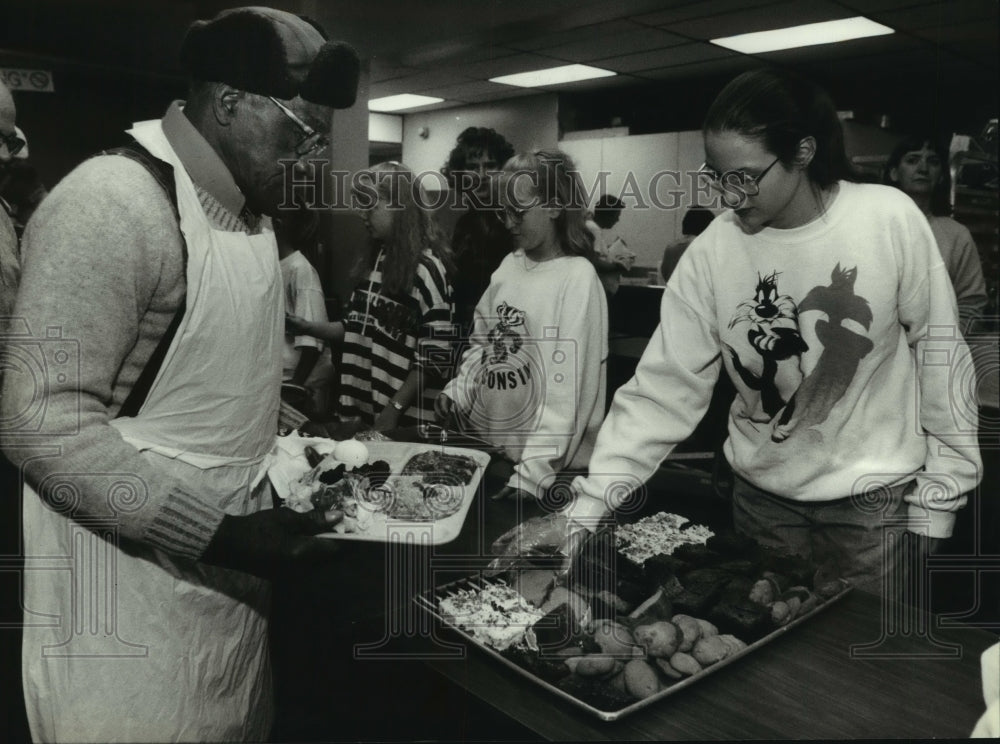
10,268
103,268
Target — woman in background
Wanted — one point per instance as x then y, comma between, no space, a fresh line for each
479,242
533,379
918,166
611,254
696,219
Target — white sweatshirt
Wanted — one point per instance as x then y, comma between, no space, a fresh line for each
533,378
841,337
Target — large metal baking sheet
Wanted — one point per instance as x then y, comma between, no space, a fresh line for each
429,603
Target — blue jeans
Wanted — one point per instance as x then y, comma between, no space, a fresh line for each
851,538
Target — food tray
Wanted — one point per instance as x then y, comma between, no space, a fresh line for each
428,601
381,528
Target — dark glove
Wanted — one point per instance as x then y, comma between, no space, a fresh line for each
271,542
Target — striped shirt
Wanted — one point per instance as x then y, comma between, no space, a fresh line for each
386,337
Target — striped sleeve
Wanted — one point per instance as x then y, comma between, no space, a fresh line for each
436,334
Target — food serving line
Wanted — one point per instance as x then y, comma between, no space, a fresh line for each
356,657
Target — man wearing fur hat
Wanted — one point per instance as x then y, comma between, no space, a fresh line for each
151,280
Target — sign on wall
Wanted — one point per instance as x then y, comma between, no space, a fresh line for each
40,81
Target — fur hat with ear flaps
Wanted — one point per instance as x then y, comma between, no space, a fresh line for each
272,53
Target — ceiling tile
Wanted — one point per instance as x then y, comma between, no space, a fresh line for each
941,14
916,65
462,50
595,31
384,69
633,40
475,90
984,53
726,65
618,81
876,45
431,107
508,65
868,7
685,11
416,83
678,55
959,33
764,18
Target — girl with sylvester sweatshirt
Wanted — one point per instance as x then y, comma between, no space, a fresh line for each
827,303
533,378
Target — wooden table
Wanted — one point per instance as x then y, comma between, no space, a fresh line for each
816,681
355,660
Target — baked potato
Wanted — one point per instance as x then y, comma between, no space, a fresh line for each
641,679
660,639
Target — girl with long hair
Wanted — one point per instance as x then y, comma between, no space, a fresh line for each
826,302
532,380
395,339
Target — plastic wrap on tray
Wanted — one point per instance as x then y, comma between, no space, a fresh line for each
622,634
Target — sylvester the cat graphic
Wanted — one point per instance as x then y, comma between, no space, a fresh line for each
773,333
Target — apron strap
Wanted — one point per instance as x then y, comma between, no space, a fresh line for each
164,175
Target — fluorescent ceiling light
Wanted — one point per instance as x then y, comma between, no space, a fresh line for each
827,32
400,102
553,76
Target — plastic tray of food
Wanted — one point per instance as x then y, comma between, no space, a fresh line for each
389,491
612,659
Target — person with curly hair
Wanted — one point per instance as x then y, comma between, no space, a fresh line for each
479,241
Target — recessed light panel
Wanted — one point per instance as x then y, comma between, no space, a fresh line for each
810,34
401,102
553,76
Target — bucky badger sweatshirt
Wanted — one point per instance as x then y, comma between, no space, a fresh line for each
533,377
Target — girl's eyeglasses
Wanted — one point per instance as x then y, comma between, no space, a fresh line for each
312,142
736,186
514,214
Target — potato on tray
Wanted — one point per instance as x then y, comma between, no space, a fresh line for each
598,638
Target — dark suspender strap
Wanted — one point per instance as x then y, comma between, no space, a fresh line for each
164,175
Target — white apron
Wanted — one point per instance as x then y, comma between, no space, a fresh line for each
137,646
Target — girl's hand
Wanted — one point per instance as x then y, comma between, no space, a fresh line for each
387,419
296,325
444,409
548,536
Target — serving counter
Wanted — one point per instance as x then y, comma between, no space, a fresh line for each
356,659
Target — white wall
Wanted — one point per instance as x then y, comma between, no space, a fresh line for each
651,174
527,123
347,237
385,127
